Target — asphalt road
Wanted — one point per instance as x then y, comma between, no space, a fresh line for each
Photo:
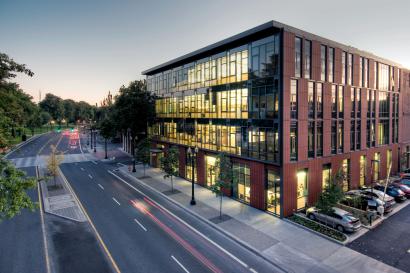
143,237
21,244
389,242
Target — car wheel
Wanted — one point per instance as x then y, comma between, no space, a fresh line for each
312,217
340,228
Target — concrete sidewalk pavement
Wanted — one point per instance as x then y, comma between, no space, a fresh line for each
284,243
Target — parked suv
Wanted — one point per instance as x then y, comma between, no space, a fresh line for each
340,219
373,203
387,199
394,192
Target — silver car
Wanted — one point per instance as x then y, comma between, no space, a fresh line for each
340,219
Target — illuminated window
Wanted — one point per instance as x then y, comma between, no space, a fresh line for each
326,175
362,170
273,201
301,189
242,188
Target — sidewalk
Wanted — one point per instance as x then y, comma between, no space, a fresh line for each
291,247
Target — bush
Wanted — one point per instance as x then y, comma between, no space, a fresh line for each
318,227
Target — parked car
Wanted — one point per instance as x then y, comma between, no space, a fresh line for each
394,192
405,180
387,199
340,219
405,173
367,202
404,188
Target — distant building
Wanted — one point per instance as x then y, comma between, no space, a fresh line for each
290,108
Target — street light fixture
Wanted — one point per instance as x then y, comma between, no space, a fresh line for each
192,152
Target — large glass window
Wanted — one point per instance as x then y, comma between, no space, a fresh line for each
340,102
293,141
346,175
333,137
319,138
308,59
334,101
323,62
210,169
273,201
340,136
326,175
331,64
311,139
242,189
376,167
383,76
362,170
349,69
319,100
302,189
383,132
298,57
311,100
293,99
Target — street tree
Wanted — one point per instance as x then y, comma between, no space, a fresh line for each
13,191
9,68
107,131
332,194
170,164
54,106
225,178
143,152
133,110
53,163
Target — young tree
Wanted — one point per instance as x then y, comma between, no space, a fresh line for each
170,164
225,178
332,194
13,190
54,160
143,152
107,131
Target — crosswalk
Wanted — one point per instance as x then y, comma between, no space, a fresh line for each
42,160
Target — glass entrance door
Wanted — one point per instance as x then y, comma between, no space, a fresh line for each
211,175
273,192
301,189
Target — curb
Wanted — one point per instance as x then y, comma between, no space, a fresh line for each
21,144
206,221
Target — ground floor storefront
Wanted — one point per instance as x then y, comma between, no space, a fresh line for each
282,190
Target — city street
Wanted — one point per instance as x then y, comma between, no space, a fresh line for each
142,230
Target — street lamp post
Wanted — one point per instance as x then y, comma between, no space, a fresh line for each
91,137
192,152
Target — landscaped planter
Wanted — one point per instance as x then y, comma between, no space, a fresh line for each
319,228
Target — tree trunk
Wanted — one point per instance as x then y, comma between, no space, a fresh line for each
220,206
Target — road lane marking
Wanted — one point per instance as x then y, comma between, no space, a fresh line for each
99,185
95,163
185,223
107,252
90,176
42,225
253,270
136,221
82,169
183,267
115,200
121,164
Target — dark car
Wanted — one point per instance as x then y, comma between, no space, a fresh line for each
394,192
404,188
405,181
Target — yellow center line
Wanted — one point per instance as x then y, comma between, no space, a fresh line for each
43,226
114,264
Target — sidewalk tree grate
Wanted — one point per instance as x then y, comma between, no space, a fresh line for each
218,220
170,192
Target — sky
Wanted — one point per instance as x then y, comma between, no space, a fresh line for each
81,49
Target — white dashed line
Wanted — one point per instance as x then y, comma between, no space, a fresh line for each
94,162
99,185
183,267
253,270
115,200
82,169
136,221
90,176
